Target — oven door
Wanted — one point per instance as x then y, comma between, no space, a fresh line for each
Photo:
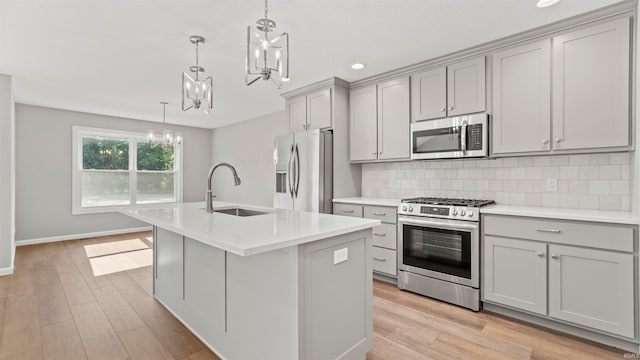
439,248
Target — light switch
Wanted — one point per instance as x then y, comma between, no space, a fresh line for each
341,255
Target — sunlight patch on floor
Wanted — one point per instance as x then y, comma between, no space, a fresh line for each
114,247
124,261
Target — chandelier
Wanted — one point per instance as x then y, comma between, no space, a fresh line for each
167,139
197,93
266,59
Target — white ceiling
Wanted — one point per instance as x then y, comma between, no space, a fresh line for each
121,58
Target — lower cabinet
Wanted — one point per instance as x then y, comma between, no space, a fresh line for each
589,287
515,273
385,259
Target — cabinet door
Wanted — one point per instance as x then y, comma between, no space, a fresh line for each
522,99
592,288
363,119
297,113
168,284
394,119
591,87
466,87
515,273
319,109
204,286
429,95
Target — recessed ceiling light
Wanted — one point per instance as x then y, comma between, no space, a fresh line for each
546,3
358,66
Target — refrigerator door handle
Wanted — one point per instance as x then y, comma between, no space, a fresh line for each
297,166
290,172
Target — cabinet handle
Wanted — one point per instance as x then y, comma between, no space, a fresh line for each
380,153
540,253
555,231
554,256
379,234
443,109
379,214
347,211
545,141
379,259
450,108
374,153
558,140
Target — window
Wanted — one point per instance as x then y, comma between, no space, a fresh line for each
114,169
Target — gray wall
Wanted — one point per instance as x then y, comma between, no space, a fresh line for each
7,173
248,146
43,173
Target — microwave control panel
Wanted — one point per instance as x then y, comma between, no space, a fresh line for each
474,137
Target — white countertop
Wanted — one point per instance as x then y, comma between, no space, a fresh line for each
614,217
368,201
247,235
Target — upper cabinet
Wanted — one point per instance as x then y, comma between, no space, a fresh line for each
451,90
522,98
591,87
310,111
582,75
379,121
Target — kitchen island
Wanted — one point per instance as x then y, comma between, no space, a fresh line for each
266,283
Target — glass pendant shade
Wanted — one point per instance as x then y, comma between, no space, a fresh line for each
197,91
267,56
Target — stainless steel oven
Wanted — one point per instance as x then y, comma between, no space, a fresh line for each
455,137
439,250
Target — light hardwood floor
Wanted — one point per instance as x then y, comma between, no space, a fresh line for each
92,299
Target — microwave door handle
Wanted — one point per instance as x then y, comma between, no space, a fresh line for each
463,136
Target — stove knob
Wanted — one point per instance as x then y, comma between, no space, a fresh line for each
410,209
470,213
461,212
454,211
404,208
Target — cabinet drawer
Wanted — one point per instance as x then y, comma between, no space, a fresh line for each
383,213
596,235
384,261
385,236
347,210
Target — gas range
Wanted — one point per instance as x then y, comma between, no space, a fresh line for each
457,209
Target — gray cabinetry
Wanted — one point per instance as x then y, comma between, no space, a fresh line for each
385,235
579,273
584,74
168,251
379,121
591,87
310,111
515,273
593,288
522,99
451,90
363,124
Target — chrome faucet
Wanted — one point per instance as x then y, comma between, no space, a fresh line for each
209,195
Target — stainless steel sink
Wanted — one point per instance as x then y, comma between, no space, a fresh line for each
240,212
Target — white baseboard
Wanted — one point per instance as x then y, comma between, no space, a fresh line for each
6,271
80,236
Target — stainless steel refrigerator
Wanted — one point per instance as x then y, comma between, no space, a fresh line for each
304,171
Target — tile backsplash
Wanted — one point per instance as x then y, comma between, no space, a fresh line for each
589,181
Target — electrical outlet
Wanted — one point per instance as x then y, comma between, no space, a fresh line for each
341,255
552,184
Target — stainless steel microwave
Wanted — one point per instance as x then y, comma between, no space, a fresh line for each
454,137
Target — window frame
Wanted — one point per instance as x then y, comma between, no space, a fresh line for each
78,132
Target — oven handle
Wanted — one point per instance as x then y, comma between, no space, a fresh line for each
450,225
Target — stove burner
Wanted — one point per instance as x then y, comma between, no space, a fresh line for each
448,201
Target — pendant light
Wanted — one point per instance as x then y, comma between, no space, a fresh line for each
197,93
167,138
267,58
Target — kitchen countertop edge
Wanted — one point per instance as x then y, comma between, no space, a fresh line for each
368,201
603,216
